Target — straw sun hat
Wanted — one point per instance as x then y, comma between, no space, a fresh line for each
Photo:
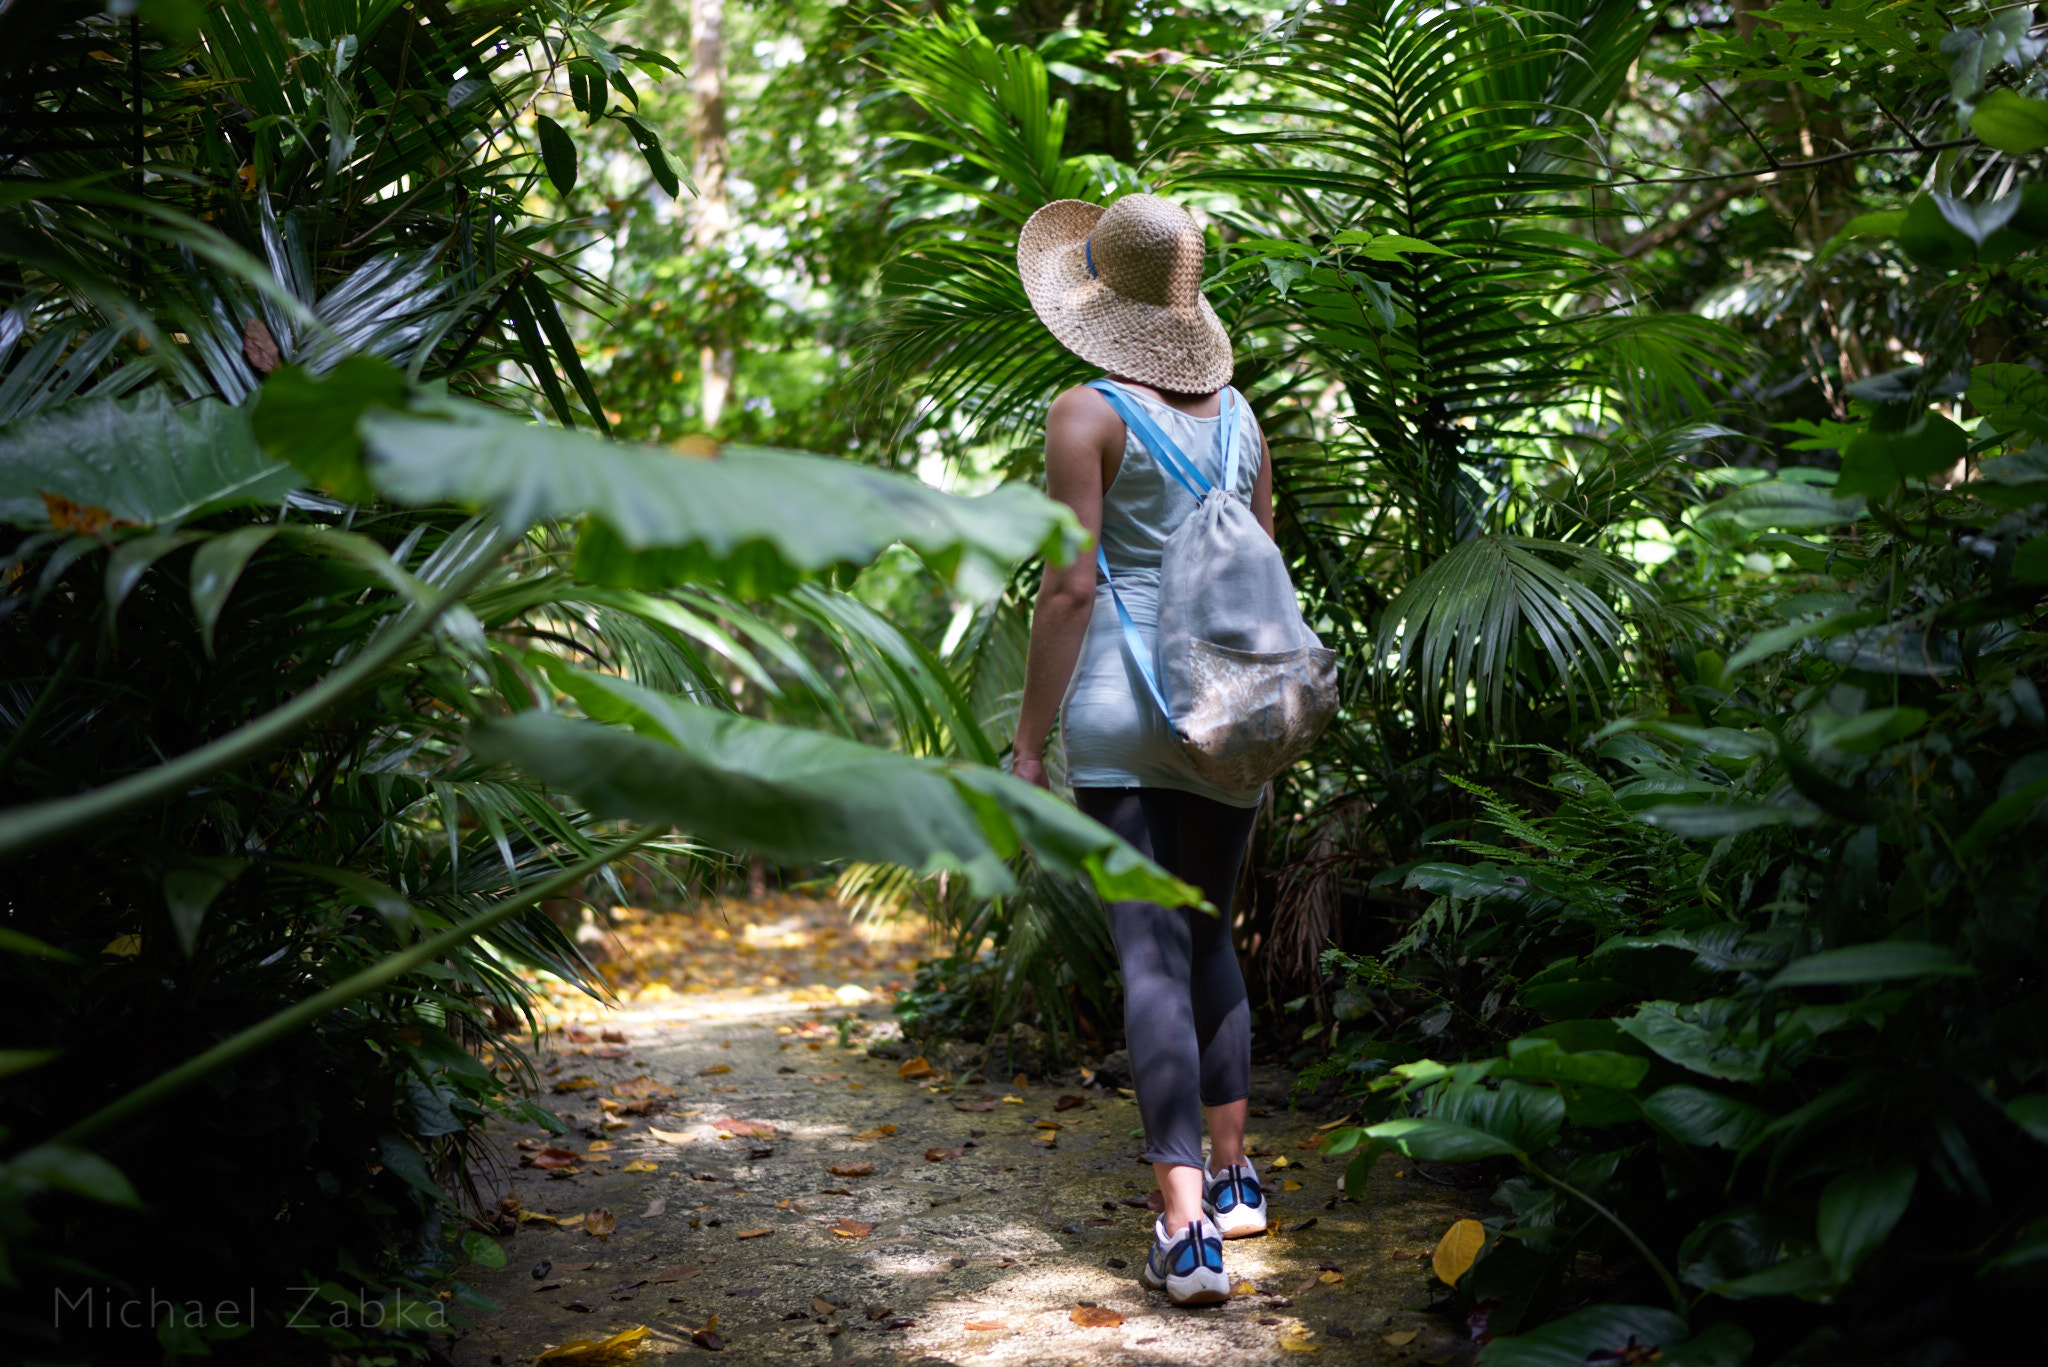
1122,287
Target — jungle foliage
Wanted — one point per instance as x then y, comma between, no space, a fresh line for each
1654,404
329,671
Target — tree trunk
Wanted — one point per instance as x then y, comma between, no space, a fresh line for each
711,214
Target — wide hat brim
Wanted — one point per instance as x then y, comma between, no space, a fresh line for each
1180,349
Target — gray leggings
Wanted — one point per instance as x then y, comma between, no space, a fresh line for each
1186,1015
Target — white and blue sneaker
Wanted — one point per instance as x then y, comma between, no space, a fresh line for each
1189,1269
1235,1202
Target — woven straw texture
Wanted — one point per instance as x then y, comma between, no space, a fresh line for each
1141,314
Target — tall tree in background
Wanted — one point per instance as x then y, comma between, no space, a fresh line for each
711,215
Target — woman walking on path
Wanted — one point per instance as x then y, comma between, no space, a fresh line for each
1122,288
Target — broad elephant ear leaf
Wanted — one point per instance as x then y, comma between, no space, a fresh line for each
801,796
655,517
145,460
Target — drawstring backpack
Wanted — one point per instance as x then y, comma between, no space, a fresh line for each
1243,682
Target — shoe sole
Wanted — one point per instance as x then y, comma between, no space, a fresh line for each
1200,1298
1248,1232
1196,1298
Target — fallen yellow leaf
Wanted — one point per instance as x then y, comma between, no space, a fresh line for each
122,946
984,1326
583,1348
1095,1317
1290,1185
851,1229
599,1223
1331,1278
1456,1251
671,1136
1281,1162
754,1233
1013,1101
1244,1289
1400,1338
1297,1341
713,1069
916,1067
641,1165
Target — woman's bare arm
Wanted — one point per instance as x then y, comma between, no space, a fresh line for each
1084,442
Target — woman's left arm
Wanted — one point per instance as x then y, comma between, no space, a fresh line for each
1262,487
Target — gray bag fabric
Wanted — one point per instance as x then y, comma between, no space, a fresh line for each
1244,683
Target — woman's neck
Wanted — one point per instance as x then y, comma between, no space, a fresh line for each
1194,405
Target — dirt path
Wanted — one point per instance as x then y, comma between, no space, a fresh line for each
952,1231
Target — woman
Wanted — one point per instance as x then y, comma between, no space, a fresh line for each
1122,289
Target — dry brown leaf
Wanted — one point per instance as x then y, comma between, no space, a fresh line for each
85,520
642,1086
1400,1338
916,1067
1457,1250
937,1155
746,1129
852,1229
1070,1103
552,1158
976,1105
879,1132
852,1169
708,1340
1095,1317
834,1191
1047,1125
985,1326
754,1233
612,1036
599,1223
578,1083
1049,1142
658,1206
823,1307
714,1069
680,1272
1020,1082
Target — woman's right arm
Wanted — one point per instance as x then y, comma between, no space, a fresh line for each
1084,442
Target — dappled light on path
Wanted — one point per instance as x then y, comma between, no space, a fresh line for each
741,1175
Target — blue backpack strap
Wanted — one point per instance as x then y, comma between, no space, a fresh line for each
1226,437
1132,641
1162,448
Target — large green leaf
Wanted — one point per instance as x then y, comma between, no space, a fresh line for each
143,459
1704,1037
1857,1213
803,796
1602,1333
1439,1140
808,512
1885,961
1708,1119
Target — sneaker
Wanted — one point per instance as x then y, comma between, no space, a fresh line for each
1190,1268
1234,1201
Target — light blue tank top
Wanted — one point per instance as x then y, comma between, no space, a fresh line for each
1113,734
